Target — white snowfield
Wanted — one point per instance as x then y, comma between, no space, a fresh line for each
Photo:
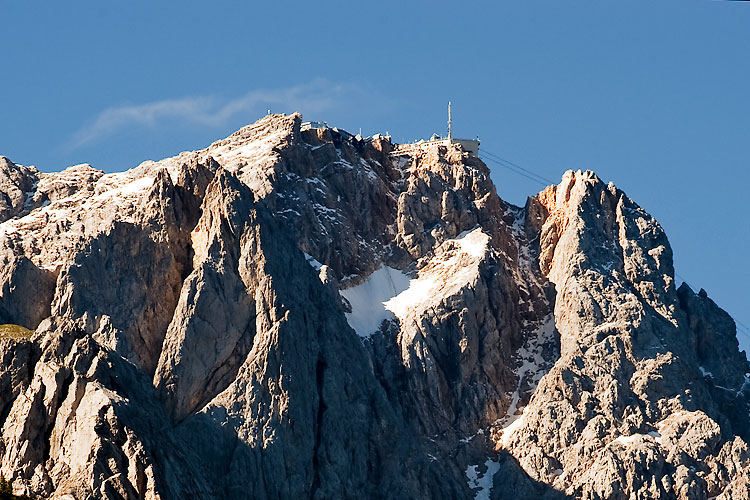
368,299
389,293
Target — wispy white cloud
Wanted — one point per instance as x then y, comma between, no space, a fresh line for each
314,97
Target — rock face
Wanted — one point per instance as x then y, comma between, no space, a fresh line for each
17,183
294,311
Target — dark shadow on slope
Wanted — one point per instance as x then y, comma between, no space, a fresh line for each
205,459
126,278
704,346
304,416
26,291
339,433
133,273
511,482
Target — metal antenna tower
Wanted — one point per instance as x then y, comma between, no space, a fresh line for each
450,135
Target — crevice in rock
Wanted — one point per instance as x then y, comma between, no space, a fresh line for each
61,397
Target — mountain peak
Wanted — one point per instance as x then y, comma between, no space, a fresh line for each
299,311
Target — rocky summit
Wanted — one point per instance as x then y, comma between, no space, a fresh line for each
296,312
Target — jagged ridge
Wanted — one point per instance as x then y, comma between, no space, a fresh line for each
192,336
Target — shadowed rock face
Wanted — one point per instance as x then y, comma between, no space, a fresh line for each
193,334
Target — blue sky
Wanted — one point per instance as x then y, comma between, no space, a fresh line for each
651,95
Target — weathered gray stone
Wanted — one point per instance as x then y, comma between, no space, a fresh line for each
192,341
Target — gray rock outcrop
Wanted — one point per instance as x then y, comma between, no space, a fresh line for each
295,311
17,184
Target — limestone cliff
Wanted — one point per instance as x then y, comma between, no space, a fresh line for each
294,311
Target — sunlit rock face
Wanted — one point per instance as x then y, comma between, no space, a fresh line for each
296,312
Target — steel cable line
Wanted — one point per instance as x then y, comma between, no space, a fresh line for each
740,327
487,158
743,325
510,167
500,159
519,167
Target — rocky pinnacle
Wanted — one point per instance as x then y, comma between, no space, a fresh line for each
295,312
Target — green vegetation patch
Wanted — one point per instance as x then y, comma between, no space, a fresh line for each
15,332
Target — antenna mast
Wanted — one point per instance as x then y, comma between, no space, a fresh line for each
450,135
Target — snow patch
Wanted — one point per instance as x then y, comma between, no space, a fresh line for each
249,158
468,439
121,188
628,440
368,299
443,276
137,185
229,155
389,293
513,422
529,372
481,482
473,242
314,263
30,196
